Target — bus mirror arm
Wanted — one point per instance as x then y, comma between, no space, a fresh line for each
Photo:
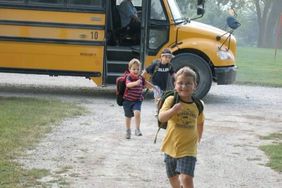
233,24
227,39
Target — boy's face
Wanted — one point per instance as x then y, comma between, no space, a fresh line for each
135,69
185,86
166,59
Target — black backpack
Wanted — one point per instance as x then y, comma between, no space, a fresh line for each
163,125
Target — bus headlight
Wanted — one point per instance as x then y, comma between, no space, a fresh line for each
223,55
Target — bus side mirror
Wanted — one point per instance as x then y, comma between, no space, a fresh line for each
201,2
201,7
200,11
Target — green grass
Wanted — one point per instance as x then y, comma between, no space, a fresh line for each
274,151
258,66
23,121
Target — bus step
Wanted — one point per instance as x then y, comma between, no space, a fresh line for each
121,53
117,66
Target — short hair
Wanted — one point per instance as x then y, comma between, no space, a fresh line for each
134,61
186,71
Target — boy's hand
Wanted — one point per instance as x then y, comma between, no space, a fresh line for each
138,82
177,107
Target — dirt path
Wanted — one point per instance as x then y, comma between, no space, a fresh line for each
90,151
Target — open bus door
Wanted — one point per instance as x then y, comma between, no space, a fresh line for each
157,26
144,31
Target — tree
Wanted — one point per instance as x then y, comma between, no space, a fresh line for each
255,15
267,11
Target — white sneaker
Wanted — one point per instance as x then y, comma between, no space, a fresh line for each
138,132
128,134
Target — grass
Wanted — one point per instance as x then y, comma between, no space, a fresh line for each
274,151
23,121
258,66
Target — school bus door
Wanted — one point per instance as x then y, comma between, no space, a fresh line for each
157,27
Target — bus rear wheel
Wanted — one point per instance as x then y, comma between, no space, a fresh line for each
200,66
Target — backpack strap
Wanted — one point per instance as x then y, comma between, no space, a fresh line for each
176,99
157,66
199,104
156,136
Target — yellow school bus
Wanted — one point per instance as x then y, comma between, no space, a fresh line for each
83,38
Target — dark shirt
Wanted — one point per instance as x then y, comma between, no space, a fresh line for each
127,12
160,78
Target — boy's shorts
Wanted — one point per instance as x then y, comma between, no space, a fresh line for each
183,165
130,106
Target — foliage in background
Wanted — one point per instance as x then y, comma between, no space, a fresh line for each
23,121
259,18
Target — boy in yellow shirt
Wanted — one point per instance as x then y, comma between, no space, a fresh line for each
184,130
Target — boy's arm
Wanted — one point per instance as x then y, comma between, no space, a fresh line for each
149,85
200,127
133,84
164,116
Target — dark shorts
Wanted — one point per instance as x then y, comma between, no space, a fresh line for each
130,106
183,165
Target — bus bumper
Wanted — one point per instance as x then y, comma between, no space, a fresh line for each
225,75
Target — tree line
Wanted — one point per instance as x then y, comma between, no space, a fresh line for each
259,19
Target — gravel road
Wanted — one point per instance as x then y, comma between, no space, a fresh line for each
91,151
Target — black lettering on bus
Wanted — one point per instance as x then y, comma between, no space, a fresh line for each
94,35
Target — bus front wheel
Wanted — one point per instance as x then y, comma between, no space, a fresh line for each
200,66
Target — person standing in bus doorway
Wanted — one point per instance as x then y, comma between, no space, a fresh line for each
129,19
160,71
133,97
185,123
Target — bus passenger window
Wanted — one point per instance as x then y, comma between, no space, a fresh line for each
86,2
47,1
12,1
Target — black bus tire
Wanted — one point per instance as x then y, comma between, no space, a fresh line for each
200,66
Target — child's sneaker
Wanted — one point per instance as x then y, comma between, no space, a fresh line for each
128,134
138,132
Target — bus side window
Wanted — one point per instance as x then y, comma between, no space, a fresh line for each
11,1
86,2
47,1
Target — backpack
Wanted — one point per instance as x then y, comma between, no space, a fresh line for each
163,125
121,87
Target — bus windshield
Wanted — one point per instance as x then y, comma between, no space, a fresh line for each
176,13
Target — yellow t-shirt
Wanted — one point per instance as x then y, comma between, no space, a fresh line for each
181,135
